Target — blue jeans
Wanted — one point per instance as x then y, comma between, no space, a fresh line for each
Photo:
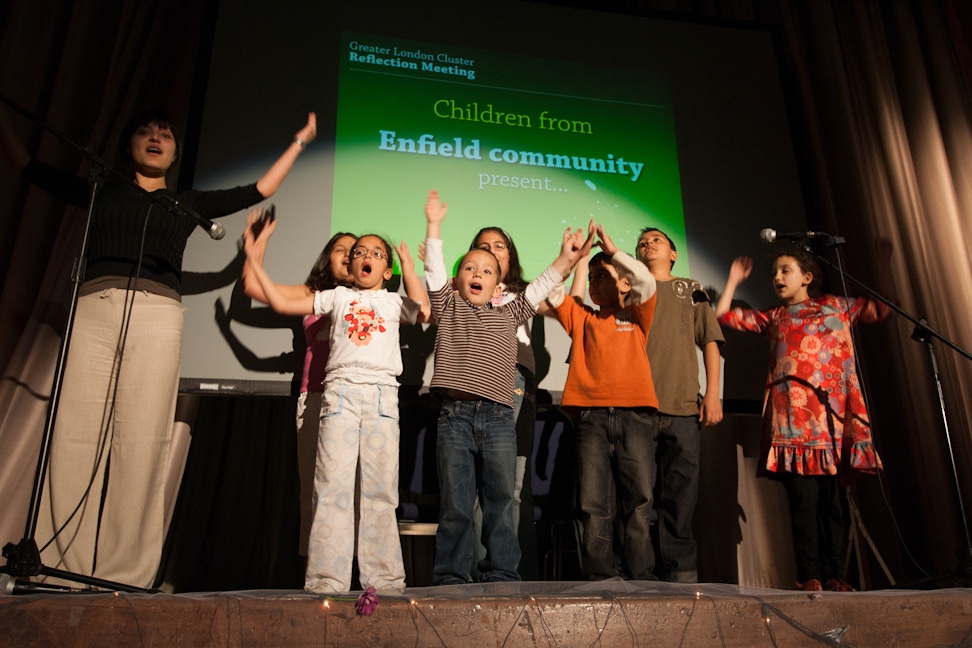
475,454
676,494
524,389
615,452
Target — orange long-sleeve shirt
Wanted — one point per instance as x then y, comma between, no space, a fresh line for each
608,363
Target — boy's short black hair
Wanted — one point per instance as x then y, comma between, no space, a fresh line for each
655,229
601,257
667,237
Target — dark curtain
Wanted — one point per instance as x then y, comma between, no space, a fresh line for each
882,91
880,109
235,524
81,68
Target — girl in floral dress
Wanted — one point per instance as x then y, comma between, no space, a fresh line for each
815,423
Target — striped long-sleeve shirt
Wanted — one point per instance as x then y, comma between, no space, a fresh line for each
475,346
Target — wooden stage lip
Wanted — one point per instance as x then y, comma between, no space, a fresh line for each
607,613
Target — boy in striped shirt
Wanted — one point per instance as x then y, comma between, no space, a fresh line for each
475,358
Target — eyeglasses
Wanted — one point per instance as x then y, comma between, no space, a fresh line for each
496,245
360,253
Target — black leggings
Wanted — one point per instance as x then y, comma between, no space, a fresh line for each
817,520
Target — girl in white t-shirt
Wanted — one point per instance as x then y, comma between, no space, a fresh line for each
359,416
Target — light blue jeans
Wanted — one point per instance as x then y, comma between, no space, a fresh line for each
359,423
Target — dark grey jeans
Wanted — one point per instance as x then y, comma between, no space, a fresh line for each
615,461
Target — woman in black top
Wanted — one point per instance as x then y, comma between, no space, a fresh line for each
104,496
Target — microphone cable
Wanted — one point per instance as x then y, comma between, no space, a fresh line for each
114,375
874,437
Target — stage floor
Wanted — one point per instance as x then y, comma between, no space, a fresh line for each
607,613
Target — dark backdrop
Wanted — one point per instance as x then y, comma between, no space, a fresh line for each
879,103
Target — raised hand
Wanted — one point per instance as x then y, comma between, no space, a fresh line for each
740,269
605,242
435,210
738,272
405,260
309,131
572,248
591,233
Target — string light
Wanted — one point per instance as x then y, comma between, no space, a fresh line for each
424,622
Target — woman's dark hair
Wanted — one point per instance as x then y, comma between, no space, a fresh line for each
807,263
514,281
320,277
147,118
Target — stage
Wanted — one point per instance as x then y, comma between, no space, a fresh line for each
607,613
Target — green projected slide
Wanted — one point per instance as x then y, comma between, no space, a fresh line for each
529,145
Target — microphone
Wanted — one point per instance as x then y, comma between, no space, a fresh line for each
10,585
216,231
768,235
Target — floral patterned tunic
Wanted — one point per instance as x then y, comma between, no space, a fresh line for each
814,418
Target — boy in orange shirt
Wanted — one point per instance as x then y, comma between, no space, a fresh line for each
609,384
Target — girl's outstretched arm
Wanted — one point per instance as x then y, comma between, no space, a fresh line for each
413,285
435,213
251,286
573,247
578,288
738,272
280,302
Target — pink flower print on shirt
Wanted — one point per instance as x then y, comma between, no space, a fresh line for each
362,322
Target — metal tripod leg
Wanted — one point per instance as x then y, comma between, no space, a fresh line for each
854,535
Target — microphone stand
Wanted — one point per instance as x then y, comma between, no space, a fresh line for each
922,333
23,558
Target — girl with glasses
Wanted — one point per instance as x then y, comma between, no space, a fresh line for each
359,415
